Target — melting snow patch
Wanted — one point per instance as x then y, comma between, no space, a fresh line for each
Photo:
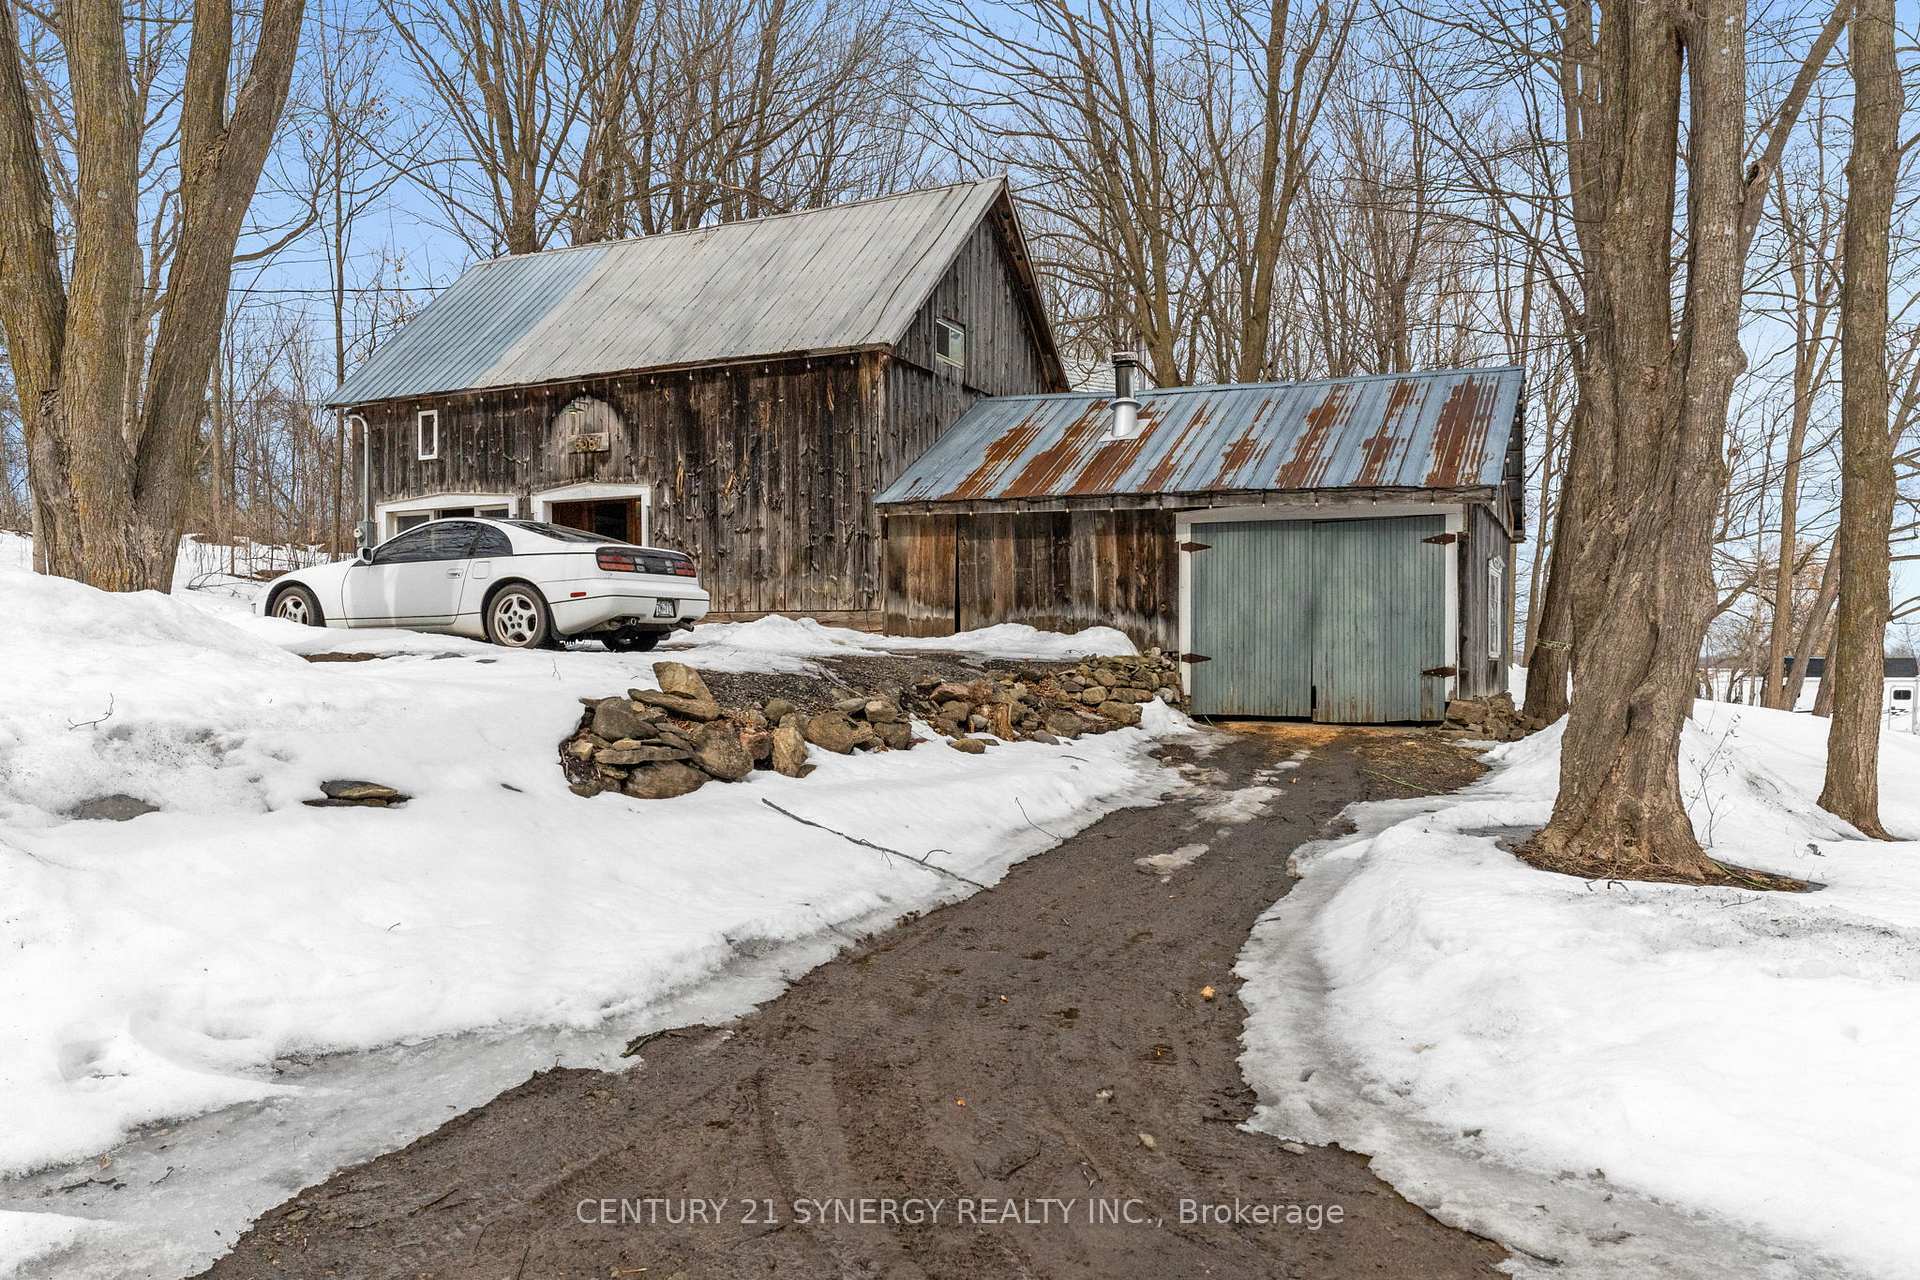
1167,863
1242,805
1627,1079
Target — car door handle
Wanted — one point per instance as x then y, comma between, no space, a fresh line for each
454,573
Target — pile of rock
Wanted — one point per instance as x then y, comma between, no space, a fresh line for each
1495,718
657,743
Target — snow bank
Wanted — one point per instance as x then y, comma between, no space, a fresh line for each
805,637
197,956
1616,1076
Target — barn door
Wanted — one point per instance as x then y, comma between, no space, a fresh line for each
1250,594
1379,620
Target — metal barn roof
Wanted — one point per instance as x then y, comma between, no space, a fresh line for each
831,279
1440,430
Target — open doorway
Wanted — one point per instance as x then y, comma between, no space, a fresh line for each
619,518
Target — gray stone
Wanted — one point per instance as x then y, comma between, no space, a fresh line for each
759,745
1167,694
1093,695
778,709
355,791
1064,723
586,789
897,735
1041,735
682,692
972,746
117,807
721,754
1130,693
664,781
1121,712
881,711
616,718
834,731
851,706
642,753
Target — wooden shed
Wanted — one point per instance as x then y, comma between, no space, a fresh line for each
738,392
1338,550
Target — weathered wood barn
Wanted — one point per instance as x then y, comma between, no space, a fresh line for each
1338,550
738,392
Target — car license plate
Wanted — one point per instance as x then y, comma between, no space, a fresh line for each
663,608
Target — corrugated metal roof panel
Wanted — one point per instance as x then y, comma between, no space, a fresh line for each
1441,429
830,279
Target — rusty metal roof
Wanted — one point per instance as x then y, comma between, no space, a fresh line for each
833,279
1444,429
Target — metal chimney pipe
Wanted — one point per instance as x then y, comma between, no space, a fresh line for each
1126,409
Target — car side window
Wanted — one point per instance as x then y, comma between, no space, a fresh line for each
405,549
450,541
491,543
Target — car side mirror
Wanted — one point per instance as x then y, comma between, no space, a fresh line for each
363,556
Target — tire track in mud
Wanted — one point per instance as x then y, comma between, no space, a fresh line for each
1045,1041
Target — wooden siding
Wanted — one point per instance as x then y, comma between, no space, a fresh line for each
1481,676
1060,571
1004,356
763,471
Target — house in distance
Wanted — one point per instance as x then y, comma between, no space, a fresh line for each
738,392
859,414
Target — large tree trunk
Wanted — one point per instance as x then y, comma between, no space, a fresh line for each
111,434
1855,665
1656,398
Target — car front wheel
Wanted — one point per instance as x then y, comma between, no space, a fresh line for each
296,604
517,618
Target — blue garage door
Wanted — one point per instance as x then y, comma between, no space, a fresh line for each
1338,620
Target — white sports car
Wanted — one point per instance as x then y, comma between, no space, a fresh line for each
517,583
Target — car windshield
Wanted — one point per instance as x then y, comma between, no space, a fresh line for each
560,533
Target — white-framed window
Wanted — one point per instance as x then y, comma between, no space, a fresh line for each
1496,607
426,433
950,342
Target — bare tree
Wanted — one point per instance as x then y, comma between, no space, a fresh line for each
1854,665
110,417
1648,471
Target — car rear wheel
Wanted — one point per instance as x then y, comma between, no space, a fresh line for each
296,604
631,641
517,618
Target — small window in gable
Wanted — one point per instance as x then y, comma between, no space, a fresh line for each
950,342
426,425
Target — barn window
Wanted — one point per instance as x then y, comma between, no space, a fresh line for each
1496,606
426,429
950,342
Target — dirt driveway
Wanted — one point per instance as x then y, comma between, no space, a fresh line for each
1027,1083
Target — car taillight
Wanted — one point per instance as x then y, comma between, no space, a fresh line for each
623,560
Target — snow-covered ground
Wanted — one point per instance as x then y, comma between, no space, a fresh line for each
1630,1079
218,957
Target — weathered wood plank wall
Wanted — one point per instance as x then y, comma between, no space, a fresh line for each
763,471
1061,571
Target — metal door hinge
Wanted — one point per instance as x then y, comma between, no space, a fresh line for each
1441,671
1196,546
1195,657
1445,538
